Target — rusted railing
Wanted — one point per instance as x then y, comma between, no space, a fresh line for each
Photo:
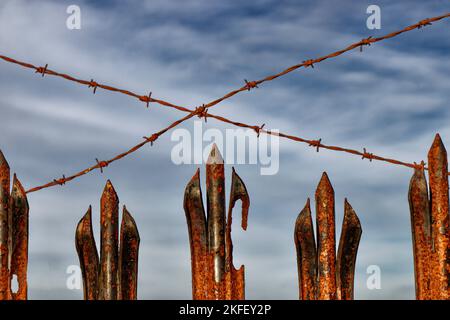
430,226
115,276
322,276
13,236
214,276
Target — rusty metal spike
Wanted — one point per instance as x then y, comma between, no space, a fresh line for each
215,194
196,220
129,253
109,225
19,238
347,252
326,240
4,228
438,167
421,233
88,256
306,254
235,286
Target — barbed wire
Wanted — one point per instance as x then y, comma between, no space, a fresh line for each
203,111
147,99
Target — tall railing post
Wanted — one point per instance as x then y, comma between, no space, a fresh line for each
322,275
214,276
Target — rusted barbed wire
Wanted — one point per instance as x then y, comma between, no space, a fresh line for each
258,129
248,84
203,110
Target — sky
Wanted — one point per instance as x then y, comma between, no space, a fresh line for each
392,99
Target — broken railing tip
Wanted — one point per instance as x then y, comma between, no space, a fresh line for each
239,192
322,274
114,275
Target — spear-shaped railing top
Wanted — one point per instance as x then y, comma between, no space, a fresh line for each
213,272
114,275
320,276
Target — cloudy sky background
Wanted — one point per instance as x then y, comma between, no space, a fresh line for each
391,99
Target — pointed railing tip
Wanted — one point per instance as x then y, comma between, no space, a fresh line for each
196,175
215,157
129,222
325,183
109,190
3,161
193,185
418,180
350,215
85,222
17,187
303,216
437,144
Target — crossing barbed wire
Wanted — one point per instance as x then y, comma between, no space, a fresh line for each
203,110
258,129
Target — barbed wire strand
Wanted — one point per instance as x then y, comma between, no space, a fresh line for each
248,84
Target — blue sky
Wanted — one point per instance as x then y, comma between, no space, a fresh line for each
391,99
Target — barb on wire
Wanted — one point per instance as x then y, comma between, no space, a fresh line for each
316,143
101,164
248,85
367,155
308,63
93,84
42,70
365,42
